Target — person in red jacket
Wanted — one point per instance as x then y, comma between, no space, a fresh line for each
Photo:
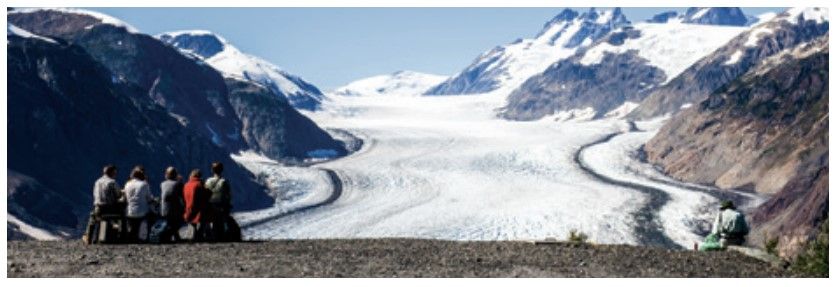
196,210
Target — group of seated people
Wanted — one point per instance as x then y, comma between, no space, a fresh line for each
202,207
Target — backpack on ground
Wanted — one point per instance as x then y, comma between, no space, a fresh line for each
231,230
159,232
711,243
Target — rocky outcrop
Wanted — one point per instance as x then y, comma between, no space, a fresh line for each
569,85
787,30
267,119
728,16
767,132
68,117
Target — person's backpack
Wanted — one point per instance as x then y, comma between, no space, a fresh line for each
736,225
158,232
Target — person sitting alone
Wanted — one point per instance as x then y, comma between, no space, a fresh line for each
730,225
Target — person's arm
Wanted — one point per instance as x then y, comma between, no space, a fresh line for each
150,196
715,229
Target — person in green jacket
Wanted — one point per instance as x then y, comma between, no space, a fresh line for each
730,225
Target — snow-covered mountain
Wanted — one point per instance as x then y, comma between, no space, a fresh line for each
398,83
625,66
508,66
221,55
728,16
784,31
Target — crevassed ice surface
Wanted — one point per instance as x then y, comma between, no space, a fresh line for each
446,168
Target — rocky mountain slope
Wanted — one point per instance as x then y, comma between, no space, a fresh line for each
194,93
68,118
88,90
397,83
766,131
508,66
226,58
785,31
622,68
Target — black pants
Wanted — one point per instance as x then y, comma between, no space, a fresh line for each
172,232
220,215
133,229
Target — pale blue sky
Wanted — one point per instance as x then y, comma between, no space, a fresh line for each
333,46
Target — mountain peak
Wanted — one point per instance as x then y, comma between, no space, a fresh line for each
663,17
199,42
727,16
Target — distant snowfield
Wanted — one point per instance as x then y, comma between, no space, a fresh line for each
446,168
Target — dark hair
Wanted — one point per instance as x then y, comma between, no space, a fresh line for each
109,169
727,204
195,173
138,173
171,173
217,168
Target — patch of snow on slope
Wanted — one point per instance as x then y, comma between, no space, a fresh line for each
14,30
622,110
765,17
30,230
406,83
584,114
672,47
734,58
817,14
103,18
755,35
699,13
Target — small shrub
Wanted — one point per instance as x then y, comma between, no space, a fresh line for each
813,261
771,245
577,237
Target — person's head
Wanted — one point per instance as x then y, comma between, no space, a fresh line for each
109,170
727,204
195,174
138,173
171,173
217,168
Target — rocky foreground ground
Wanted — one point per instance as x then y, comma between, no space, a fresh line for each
373,258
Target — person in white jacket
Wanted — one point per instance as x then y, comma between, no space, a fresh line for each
138,201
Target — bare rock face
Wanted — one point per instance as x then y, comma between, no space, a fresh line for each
766,131
272,126
194,92
730,61
793,215
568,85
